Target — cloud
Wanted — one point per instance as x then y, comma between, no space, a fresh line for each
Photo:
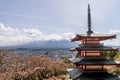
114,31
14,36
114,42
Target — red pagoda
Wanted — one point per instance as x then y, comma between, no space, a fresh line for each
90,61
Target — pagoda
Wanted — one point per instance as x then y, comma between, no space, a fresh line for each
90,61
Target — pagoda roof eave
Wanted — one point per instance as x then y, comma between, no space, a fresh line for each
101,37
97,62
97,76
100,48
75,74
74,60
72,49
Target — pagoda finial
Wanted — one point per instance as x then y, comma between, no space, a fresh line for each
89,32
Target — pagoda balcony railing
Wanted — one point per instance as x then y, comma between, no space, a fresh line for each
93,70
91,57
93,44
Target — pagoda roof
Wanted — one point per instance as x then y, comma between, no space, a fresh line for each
79,37
102,48
97,76
93,61
73,60
75,74
97,62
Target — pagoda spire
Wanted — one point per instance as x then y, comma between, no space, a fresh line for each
89,32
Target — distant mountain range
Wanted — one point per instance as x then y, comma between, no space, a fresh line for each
51,44
44,45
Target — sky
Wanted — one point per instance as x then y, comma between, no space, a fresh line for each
23,21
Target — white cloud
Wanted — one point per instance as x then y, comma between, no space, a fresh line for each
68,36
54,37
114,31
114,42
15,36
11,36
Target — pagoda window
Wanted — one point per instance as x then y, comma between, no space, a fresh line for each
94,67
91,67
93,39
88,38
93,42
93,53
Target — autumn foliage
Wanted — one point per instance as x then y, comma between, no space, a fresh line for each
15,67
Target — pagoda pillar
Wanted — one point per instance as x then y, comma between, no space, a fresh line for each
102,68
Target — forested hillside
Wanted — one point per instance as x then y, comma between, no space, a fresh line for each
16,67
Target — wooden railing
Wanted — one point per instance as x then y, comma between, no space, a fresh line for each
93,70
92,57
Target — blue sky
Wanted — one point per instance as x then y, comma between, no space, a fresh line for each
58,17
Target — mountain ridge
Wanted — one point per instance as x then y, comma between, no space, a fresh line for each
44,45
